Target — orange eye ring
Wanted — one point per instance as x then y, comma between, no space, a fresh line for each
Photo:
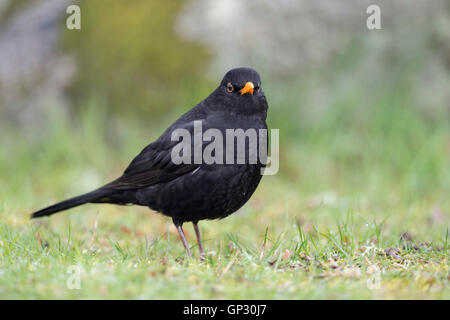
230,87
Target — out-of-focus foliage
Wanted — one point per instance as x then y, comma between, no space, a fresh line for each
130,56
34,73
294,39
9,7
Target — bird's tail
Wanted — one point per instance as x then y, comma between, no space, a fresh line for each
99,195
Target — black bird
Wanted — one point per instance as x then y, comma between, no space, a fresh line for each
189,192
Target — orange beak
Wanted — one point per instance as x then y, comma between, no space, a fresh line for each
247,88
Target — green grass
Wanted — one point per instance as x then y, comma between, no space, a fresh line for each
255,254
352,181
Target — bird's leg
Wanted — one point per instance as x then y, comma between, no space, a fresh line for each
199,240
183,237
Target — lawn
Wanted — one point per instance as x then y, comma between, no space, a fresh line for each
359,210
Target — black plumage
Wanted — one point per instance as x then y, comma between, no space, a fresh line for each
190,192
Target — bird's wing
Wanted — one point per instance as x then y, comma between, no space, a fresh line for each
154,164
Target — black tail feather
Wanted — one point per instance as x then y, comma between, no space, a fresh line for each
94,196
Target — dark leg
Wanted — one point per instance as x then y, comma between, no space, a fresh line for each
182,237
199,240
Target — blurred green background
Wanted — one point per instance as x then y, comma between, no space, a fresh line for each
364,115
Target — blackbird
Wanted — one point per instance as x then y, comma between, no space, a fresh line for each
191,191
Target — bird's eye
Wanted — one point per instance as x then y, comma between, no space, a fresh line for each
257,88
230,87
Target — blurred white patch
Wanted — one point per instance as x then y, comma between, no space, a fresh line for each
374,280
325,198
89,180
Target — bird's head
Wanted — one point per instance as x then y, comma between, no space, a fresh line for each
241,90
